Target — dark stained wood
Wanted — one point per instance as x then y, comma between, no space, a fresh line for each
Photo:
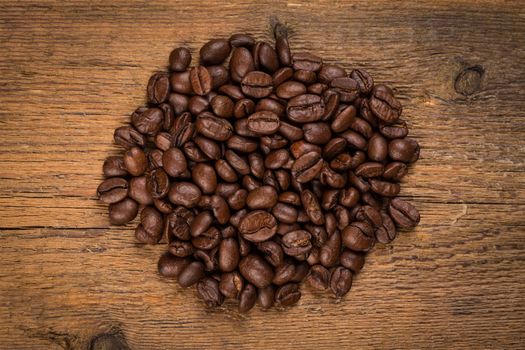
71,72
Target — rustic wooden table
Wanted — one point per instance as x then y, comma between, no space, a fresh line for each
72,71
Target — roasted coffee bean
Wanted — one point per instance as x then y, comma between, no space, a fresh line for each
404,150
201,80
180,249
122,212
128,137
148,121
201,223
183,130
242,144
301,271
377,148
222,106
302,147
210,148
138,190
395,171
178,224
256,162
170,266
358,236
290,89
158,88
241,63
312,207
257,84
404,214
340,281
349,197
284,273
114,166
297,242
181,83
305,108
347,88
256,270
215,128
225,171
193,153
266,297
247,298
319,277
208,291
258,226
265,57
232,91
384,105
307,61
277,159
158,183
307,167
363,79
397,130
238,163
330,250
384,188
163,141
240,39
231,284
174,162
204,176
386,232
317,133
115,189
215,51
282,75
369,214
243,108
197,104
287,295
268,104
305,76
285,213
329,72
334,147
135,161
272,252
191,274
362,127
219,76
264,197
184,193
352,260
263,123
220,209
330,178
291,132
355,140
370,169
343,119
152,223
229,255
208,258
208,240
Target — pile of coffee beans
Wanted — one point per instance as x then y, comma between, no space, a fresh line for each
261,171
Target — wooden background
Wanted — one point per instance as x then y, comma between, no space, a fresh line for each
71,72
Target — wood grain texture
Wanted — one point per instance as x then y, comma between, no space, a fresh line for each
71,72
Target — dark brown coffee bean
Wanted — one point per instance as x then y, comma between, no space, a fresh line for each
222,106
264,197
305,76
340,281
358,236
347,88
158,183
265,297
397,130
183,130
272,142
257,84
258,226
163,140
256,162
263,123
241,63
201,80
329,72
290,89
330,178
317,133
135,161
138,190
362,127
404,214
352,260
203,175
395,171
355,140
212,127
174,162
170,266
191,274
229,255
208,240
148,121
284,273
290,198
334,147
297,242
404,150
307,167
277,159
329,251
287,295
220,209
319,277
114,166
247,298
185,194
180,59
246,40
180,82
180,249
238,163
291,132
312,207
268,104
363,79
349,197
158,88
256,270
369,214
370,169
225,171
215,51
272,252
237,200
197,104
201,223
265,57
115,189
231,284
219,76
386,232
307,61
208,291
242,144
282,75
305,108
377,148
193,153
301,271
343,120
285,213
384,188
329,199
210,148
384,105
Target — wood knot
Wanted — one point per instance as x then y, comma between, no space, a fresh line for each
108,341
468,81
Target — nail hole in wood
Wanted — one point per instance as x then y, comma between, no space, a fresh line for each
468,81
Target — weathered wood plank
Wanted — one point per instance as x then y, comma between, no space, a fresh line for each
71,72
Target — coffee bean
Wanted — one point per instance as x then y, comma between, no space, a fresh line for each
317,133
282,75
370,169
225,171
229,254
181,83
171,266
191,274
358,236
201,80
231,284
257,84
138,190
347,88
330,250
305,108
158,88
404,150
384,188
258,226
115,189
330,72
264,197
241,63
256,270
263,123
395,171
135,161
319,277
122,212
287,295
307,167
403,213
297,242
208,240
312,207
180,249
352,260
215,128
184,193
305,76
201,223
265,57
208,291
180,59
210,148
377,148
268,104
114,166
340,281
290,89
247,298
384,105
266,297
215,51
128,137
272,251
343,120
203,175
363,79
396,130
386,232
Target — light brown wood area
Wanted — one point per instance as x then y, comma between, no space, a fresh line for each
72,71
